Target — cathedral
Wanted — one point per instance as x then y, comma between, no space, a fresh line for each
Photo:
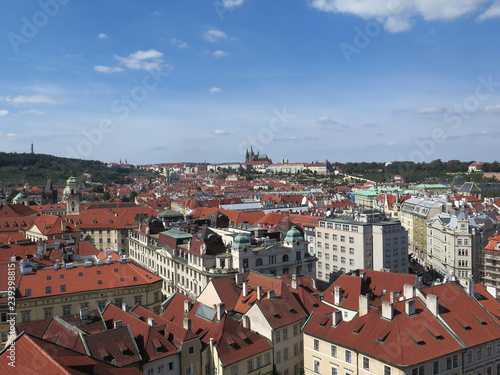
251,156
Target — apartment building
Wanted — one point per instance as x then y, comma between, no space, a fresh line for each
360,241
455,243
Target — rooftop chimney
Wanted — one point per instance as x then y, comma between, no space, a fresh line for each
492,291
238,278
433,304
220,311
63,225
337,295
259,292
245,320
336,318
387,310
362,274
270,294
151,322
409,291
187,324
410,307
124,307
393,296
364,305
245,288
294,281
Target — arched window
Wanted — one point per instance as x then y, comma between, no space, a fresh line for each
258,262
285,258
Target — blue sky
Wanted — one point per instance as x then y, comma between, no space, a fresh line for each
166,81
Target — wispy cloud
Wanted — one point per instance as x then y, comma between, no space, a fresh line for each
492,109
428,111
398,16
32,112
214,35
178,43
220,53
220,132
102,36
232,3
492,12
108,69
4,112
145,60
29,99
326,120
214,90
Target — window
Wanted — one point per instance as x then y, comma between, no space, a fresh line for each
278,336
333,351
295,329
342,238
66,310
191,350
455,361
278,356
316,345
26,316
420,370
267,358
63,288
316,366
366,363
479,354
435,367
488,350
102,305
259,361
285,354
295,349
320,254
334,237
5,337
387,370
171,366
48,313
151,371
348,357
118,303
48,290
351,239
27,292
161,369
285,334
234,370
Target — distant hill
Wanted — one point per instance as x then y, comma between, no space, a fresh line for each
18,169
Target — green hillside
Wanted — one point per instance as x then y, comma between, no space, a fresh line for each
18,169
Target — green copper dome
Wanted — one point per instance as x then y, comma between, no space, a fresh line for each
293,235
71,181
241,242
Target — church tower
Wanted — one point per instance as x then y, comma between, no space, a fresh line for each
71,195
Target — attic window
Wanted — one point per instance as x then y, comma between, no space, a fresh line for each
61,276
116,269
434,335
415,340
149,277
383,336
135,278
465,328
358,328
99,272
230,341
27,292
99,281
123,348
122,279
157,345
324,321
483,323
49,277
80,273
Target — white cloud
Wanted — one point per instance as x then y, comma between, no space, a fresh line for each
492,12
11,134
4,112
492,109
102,36
108,69
32,112
397,16
147,60
220,53
214,35
33,99
178,43
232,3
220,132
325,120
428,110
214,90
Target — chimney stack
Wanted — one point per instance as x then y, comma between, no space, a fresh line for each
387,310
238,278
364,305
245,320
187,324
294,281
336,318
63,225
270,294
393,296
151,322
433,304
409,291
337,295
221,308
124,307
410,307
492,291
362,274
259,292
245,288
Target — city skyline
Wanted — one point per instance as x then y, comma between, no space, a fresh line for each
164,82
